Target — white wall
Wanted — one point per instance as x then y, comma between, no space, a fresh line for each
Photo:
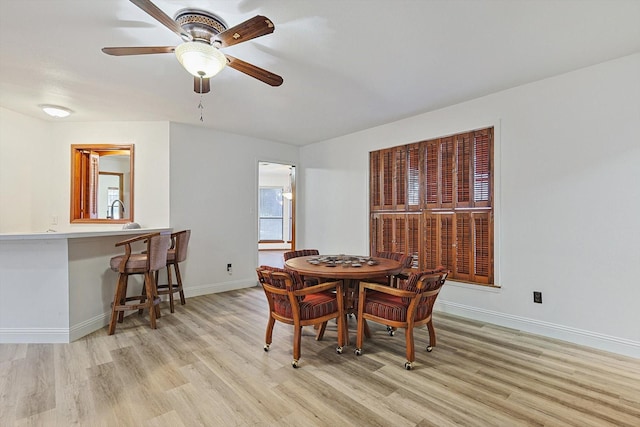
568,202
35,170
214,192
25,147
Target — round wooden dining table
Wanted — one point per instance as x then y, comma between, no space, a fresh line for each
342,270
334,267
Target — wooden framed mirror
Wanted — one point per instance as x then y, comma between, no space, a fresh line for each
102,183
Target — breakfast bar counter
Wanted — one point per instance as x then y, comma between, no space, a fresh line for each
56,287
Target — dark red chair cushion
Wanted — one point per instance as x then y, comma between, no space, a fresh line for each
313,306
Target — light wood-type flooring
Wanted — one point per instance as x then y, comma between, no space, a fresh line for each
205,366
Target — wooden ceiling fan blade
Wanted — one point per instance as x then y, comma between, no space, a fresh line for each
253,71
142,50
250,29
201,85
156,13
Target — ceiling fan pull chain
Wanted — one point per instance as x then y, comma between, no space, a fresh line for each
200,104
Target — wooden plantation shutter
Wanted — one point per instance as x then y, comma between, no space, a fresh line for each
430,249
447,169
482,247
413,239
413,177
450,181
386,239
374,180
439,240
463,245
400,178
463,175
482,168
387,179
430,179
94,173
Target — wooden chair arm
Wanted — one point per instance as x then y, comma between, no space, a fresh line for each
385,289
324,286
135,239
274,289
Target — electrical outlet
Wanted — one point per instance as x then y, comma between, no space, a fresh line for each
229,268
537,297
54,220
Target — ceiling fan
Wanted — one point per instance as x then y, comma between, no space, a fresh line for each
204,34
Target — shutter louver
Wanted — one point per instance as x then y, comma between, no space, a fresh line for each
463,170
482,247
446,172
374,173
400,234
374,233
387,178
413,177
430,241
463,245
482,167
413,239
400,177
431,174
447,241
386,239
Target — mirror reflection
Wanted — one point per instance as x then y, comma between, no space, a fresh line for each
102,183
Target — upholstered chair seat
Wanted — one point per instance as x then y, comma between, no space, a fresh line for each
406,307
293,303
176,254
147,263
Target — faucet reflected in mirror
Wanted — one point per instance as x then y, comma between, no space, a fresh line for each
119,213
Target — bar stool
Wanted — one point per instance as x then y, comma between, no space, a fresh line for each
176,254
147,263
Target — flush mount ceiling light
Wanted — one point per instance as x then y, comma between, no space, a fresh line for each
56,110
201,59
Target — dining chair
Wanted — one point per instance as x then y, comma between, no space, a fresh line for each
176,254
403,259
309,281
146,264
406,307
293,303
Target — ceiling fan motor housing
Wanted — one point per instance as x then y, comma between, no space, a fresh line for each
202,25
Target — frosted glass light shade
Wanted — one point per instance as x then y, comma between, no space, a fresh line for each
200,59
56,110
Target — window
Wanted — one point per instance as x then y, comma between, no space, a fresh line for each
271,214
455,188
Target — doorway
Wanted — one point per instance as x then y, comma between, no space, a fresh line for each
276,211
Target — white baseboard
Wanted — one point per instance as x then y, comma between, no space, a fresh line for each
88,326
574,335
214,288
34,335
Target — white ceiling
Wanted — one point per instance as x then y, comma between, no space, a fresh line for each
347,65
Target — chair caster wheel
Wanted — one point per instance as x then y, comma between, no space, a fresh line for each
391,332
294,363
429,349
339,350
266,347
407,366
358,352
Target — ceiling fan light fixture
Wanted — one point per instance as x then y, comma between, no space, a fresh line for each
200,59
56,110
